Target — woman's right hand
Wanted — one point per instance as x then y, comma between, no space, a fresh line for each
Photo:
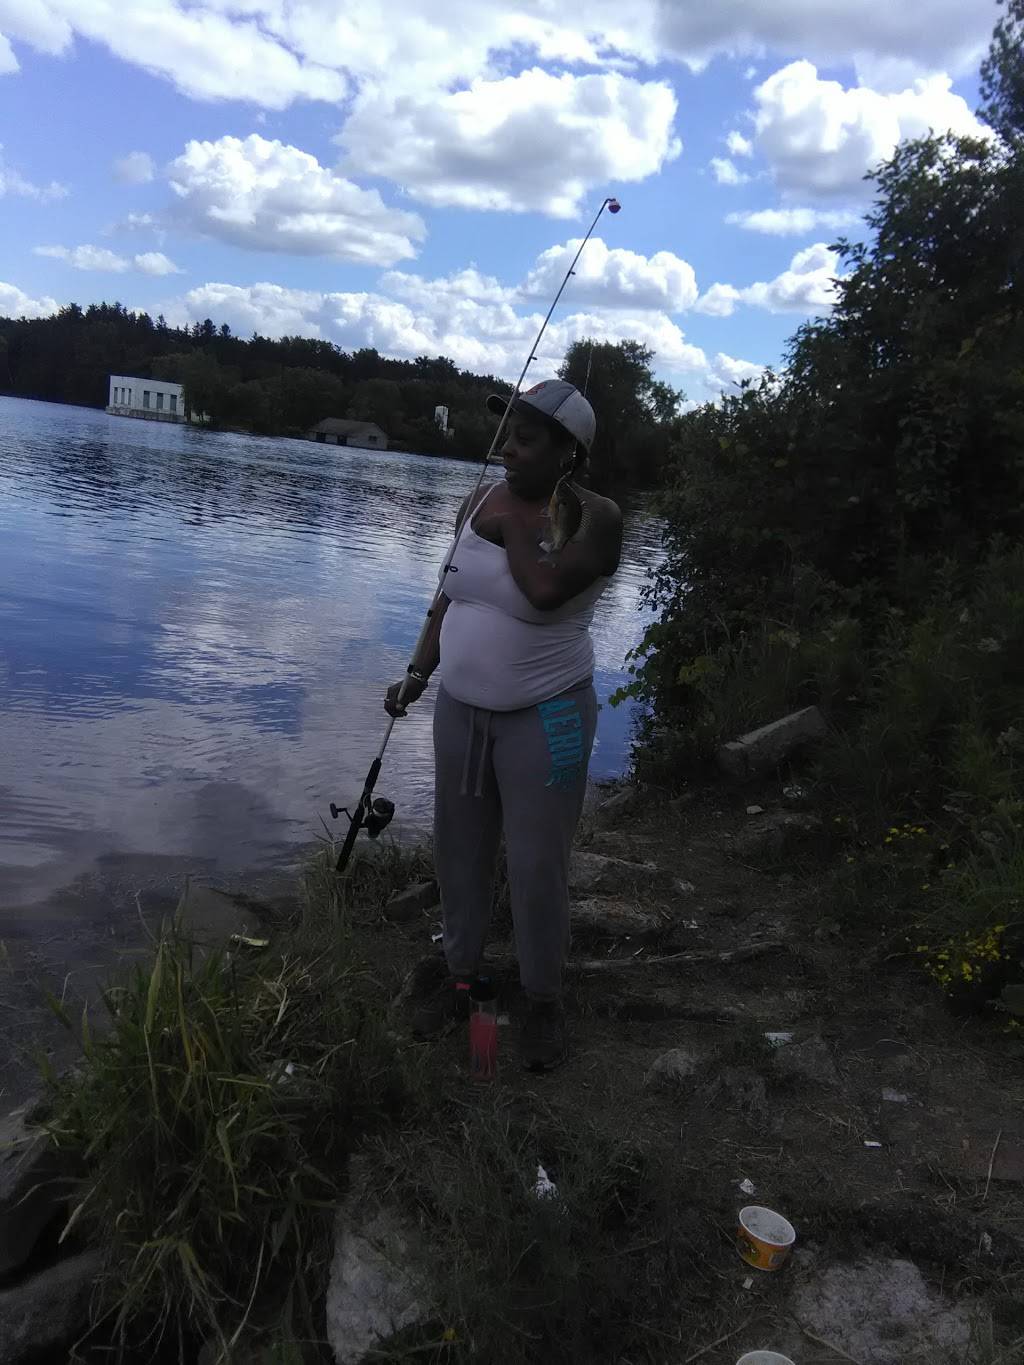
414,689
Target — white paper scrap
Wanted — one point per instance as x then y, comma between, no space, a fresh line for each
545,1187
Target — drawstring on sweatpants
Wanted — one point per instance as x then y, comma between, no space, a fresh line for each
482,763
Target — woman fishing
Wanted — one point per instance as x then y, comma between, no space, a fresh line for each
515,713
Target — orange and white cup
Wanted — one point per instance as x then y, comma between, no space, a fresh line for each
764,1238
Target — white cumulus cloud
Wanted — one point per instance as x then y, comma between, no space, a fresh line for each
475,324
134,169
726,172
535,141
613,277
8,61
155,263
12,182
791,222
928,35
16,304
739,145
269,196
808,286
820,138
461,284
276,51
217,49
730,372
87,257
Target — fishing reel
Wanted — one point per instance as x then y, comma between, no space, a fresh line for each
374,819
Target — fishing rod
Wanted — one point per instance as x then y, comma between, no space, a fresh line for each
374,813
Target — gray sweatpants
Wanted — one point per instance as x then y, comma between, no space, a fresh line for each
524,774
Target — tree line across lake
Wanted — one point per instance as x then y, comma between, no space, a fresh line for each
285,387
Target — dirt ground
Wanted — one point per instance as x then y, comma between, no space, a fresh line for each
890,1133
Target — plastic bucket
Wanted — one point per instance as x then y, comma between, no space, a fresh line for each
764,1358
764,1238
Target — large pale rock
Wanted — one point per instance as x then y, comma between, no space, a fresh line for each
761,750
617,919
882,1312
677,1065
47,1311
593,874
625,801
372,1292
769,836
33,1187
809,1060
407,904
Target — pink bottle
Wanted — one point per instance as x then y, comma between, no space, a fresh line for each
483,1030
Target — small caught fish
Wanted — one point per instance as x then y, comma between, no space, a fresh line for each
567,514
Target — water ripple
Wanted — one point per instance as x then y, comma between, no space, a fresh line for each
196,630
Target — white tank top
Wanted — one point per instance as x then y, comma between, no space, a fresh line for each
498,652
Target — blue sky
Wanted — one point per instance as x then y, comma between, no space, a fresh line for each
413,175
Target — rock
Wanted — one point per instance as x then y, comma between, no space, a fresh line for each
755,810
33,1188
743,1088
211,917
1005,1154
677,1065
617,807
807,1061
407,904
48,1310
617,919
775,834
594,874
372,1293
764,749
882,1312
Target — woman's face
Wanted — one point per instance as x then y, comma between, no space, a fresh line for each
534,461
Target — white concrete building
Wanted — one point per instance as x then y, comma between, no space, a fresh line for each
156,399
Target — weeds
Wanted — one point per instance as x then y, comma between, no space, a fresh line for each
519,1278
213,1113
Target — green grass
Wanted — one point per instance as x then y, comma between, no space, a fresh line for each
518,1279
213,1110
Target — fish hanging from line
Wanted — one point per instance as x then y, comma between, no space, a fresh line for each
567,515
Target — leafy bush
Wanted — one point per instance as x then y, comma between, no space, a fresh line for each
848,532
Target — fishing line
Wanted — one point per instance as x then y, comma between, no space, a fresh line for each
375,814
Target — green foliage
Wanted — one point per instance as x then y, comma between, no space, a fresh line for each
1002,74
635,411
849,532
213,1112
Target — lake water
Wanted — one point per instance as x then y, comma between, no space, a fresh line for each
196,631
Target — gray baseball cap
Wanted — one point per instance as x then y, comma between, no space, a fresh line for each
557,400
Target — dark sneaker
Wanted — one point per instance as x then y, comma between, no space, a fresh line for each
448,1005
542,1038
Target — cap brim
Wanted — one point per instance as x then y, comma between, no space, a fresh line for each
497,404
